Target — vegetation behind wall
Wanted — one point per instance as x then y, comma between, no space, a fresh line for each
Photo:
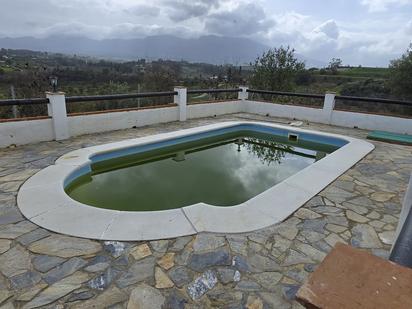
25,74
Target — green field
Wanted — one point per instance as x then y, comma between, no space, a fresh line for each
6,69
364,72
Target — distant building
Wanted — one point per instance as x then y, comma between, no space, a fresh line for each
141,68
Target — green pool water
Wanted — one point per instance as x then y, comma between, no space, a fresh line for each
223,171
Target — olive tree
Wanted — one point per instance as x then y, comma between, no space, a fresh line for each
401,75
334,65
276,69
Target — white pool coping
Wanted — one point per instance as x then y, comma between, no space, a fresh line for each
43,201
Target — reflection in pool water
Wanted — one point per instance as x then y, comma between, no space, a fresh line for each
224,173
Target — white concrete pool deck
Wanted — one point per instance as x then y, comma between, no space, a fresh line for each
42,198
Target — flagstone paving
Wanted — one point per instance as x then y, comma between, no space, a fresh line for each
262,269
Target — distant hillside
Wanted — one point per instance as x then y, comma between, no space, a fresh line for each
210,49
207,49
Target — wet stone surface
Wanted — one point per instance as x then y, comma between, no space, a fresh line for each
261,269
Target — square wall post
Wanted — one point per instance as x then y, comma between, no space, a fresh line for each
329,105
243,94
181,100
57,110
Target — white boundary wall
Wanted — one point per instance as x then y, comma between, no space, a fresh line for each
26,132
372,122
103,122
39,130
338,118
200,110
286,111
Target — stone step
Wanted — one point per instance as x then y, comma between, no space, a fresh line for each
352,278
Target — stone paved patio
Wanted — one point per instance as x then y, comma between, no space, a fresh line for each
262,269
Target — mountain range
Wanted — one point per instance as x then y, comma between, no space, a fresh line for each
208,49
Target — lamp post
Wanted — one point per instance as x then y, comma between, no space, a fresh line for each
239,142
57,110
53,83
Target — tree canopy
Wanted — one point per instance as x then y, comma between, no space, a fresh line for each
276,69
334,65
401,75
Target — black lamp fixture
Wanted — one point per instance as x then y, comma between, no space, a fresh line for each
53,82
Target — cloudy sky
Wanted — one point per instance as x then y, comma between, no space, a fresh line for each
367,32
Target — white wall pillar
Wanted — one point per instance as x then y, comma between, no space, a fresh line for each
329,105
181,100
57,110
243,95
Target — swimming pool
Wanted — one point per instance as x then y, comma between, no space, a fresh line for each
223,169
228,177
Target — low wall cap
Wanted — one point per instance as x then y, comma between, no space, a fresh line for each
55,93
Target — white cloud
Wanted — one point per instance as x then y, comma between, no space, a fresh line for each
318,34
243,20
293,22
143,10
383,5
408,28
329,28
